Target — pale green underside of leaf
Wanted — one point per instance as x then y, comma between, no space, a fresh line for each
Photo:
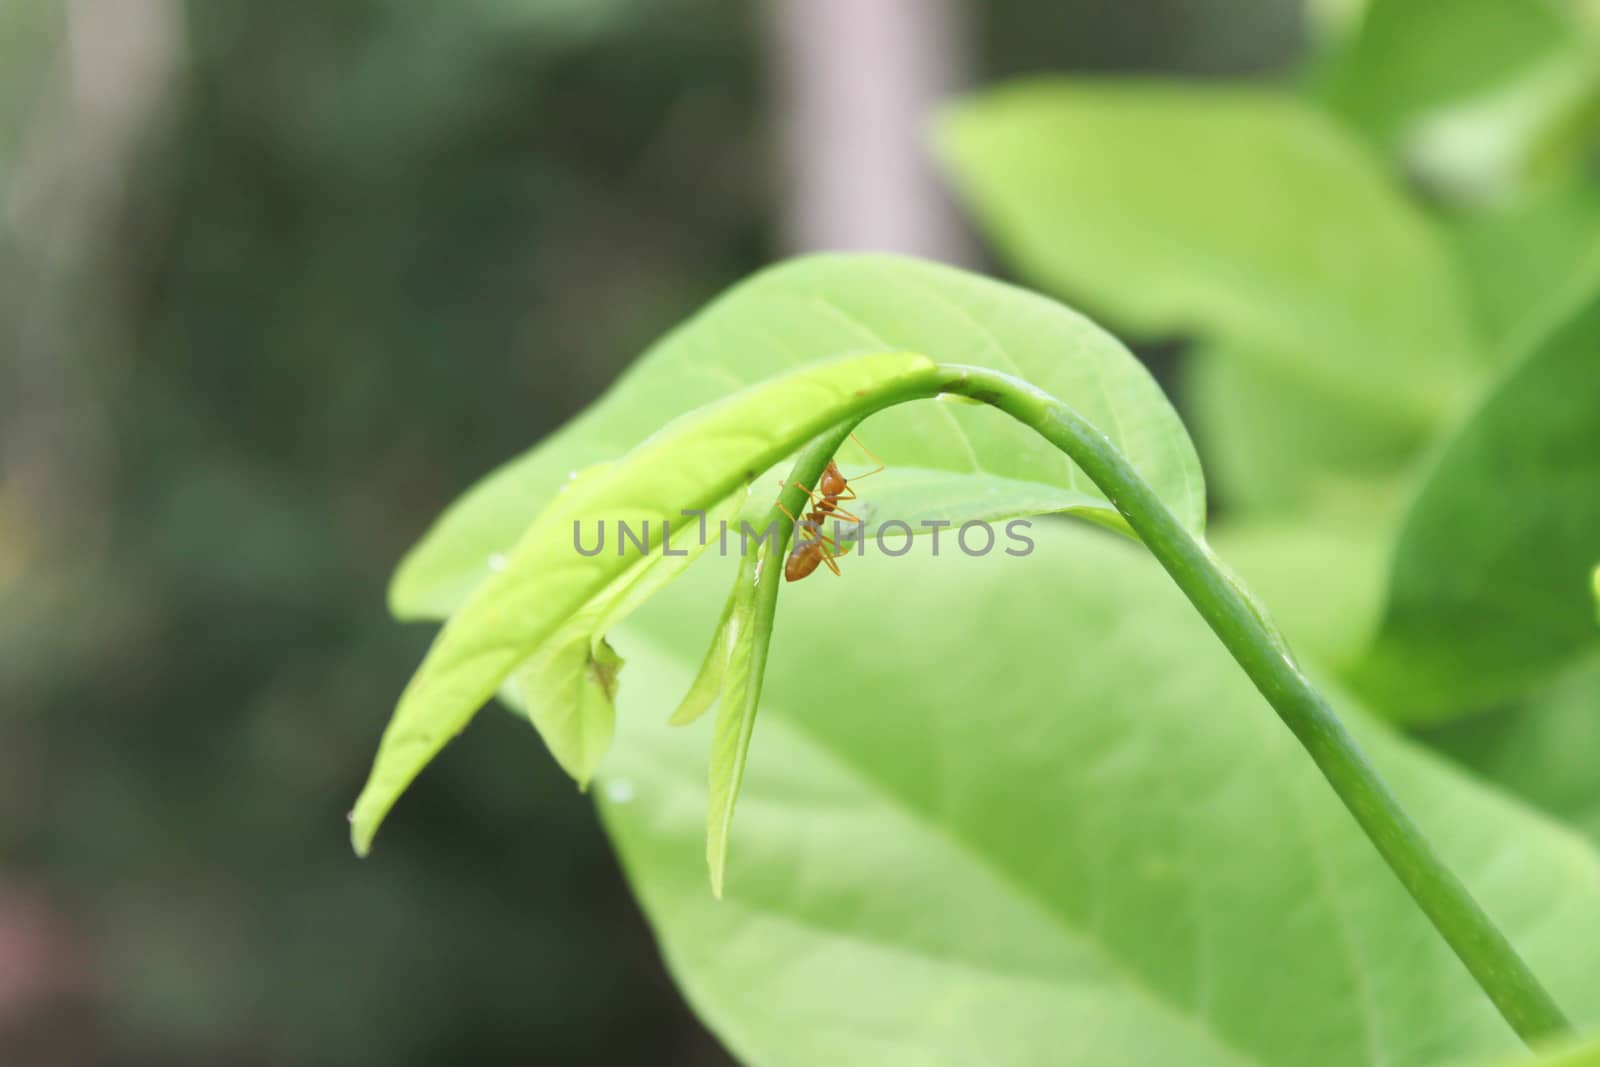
1024,811
697,461
1487,594
823,306
1277,233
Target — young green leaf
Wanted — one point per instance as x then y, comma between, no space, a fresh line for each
736,717
733,628
547,580
568,689
1486,598
985,824
821,307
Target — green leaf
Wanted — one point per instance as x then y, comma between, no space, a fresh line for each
568,691
1529,258
824,306
1584,1053
1323,574
1466,91
568,688
1486,597
693,463
1277,233
1274,447
741,695
1544,750
733,628
732,673
1024,811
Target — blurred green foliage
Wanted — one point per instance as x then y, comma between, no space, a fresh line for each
355,253
275,281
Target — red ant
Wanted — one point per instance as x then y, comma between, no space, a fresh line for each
824,500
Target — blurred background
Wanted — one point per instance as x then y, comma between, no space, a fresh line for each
279,280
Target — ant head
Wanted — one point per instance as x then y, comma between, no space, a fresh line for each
833,482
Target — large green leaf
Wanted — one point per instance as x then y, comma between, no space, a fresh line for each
1322,574
1479,98
1271,445
1406,60
956,459
1527,257
1339,339
1487,597
1025,811
1239,214
552,594
1546,750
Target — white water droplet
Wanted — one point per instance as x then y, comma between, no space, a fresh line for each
619,791
350,816
497,561
571,475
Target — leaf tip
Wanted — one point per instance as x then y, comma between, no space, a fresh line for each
362,831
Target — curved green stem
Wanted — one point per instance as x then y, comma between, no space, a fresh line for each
1480,945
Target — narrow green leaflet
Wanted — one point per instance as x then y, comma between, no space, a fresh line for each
736,717
695,462
732,629
1017,811
824,306
732,674
1487,597
1277,232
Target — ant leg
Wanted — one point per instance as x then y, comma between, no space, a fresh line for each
812,496
870,455
829,558
798,523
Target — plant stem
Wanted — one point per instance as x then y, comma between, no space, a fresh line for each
1480,945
